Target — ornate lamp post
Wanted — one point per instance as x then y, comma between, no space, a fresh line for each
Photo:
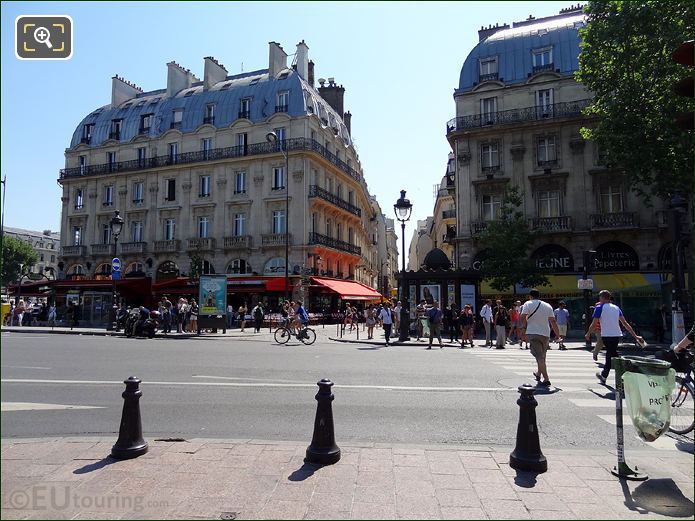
403,208
272,138
116,228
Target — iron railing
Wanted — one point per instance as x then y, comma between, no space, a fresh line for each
281,108
102,249
545,67
115,134
209,120
449,214
317,191
246,114
478,227
613,220
275,239
167,246
201,243
552,224
73,251
237,242
133,247
216,154
336,244
488,77
515,116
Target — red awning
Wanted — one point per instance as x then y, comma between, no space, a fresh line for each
348,289
276,284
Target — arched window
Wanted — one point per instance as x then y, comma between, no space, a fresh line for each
76,271
167,270
103,271
274,266
238,267
208,268
135,269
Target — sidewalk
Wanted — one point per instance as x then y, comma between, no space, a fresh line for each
73,478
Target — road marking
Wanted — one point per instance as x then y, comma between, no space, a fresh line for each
248,379
593,402
26,367
26,406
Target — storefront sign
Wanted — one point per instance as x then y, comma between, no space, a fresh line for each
615,256
213,294
553,258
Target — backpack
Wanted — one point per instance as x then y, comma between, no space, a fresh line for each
258,313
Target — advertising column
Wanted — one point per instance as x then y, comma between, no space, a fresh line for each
212,298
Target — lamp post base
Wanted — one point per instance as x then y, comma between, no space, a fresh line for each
403,334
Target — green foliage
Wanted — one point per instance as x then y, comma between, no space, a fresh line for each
506,242
196,264
626,63
14,253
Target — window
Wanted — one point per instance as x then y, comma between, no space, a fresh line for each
329,228
87,133
136,229
543,59
548,203
245,108
169,229
547,153
173,153
351,197
82,162
351,236
489,156
278,178
338,269
209,114
53,258
238,267
240,183
279,222
142,156
206,147
488,110
135,267
111,160
146,123
138,192
491,207
339,231
77,235
488,69
115,129
274,265
544,103
339,191
282,101
204,183
41,257
203,227
170,190
242,142
108,195
611,199
280,133
239,224
314,222
79,199
176,118
106,233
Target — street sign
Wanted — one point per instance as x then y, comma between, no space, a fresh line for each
585,284
115,275
116,264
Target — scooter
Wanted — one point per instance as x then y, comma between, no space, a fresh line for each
142,323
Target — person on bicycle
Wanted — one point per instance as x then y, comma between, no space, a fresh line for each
285,312
302,317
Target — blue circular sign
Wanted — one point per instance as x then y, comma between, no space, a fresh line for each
116,264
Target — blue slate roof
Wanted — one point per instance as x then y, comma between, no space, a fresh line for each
513,48
226,95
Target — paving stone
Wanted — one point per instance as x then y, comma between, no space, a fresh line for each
593,473
448,481
486,476
530,484
415,488
408,450
409,507
367,453
402,474
449,466
462,513
341,502
409,460
335,485
470,462
551,514
458,498
285,492
494,491
374,478
207,453
577,495
247,450
326,513
372,511
542,501
284,510
505,509
592,511
379,494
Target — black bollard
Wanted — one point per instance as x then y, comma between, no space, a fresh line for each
527,454
323,449
130,443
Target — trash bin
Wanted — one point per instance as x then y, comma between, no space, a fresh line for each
648,384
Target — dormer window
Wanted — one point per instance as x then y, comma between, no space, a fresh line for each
177,118
245,108
209,114
488,69
115,129
283,99
145,123
543,59
87,133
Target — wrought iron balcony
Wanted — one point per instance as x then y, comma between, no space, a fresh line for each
246,114
548,163
552,224
86,140
73,251
489,77
479,226
515,116
274,239
144,130
336,244
176,125
281,108
216,154
209,120
102,249
237,242
490,169
449,214
167,246
317,191
541,68
115,134
201,243
133,247
615,220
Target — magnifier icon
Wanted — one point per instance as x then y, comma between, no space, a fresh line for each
43,35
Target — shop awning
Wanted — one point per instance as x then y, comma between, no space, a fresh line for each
348,289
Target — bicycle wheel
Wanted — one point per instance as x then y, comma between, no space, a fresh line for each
308,336
682,420
282,335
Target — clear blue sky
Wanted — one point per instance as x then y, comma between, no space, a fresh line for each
399,63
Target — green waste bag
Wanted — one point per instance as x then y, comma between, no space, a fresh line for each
649,400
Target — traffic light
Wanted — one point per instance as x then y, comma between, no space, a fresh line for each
685,86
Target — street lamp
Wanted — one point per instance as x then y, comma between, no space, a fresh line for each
272,138
116,227
403,209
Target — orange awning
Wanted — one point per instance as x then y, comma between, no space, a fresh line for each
348,289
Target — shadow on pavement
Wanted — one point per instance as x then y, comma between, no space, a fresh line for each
305,471
108,460
685,445
525,479
659,496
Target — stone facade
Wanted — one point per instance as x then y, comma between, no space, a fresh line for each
46,244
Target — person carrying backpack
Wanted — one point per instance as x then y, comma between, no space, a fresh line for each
435,318
258,315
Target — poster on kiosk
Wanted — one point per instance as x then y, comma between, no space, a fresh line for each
213,295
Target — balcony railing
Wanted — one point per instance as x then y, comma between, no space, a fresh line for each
546,67
613,220
216,154
274,239
281,108
490,76
115,134
478,227
515,116
237,242
449,214
170,246
324,240
73,251
317,191
244,114
102,249
201,243
133,247
209,120
552,224
86,140
490,169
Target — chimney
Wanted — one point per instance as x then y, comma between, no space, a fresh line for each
214,72
333,94
47,232
303,60
488,31
277,60
178,78
122,90
310,76
347,118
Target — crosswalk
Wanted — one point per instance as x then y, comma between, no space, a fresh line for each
573,376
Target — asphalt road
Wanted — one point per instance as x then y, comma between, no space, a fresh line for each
253,388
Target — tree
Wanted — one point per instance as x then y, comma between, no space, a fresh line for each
14,253
626,63
506,242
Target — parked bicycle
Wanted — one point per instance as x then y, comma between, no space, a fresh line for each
683,397
305,334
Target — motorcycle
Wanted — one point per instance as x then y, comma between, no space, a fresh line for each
140,322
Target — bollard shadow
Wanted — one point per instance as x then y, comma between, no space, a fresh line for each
658,496
540,390
525,479
108,460
685,445
304,472
608,396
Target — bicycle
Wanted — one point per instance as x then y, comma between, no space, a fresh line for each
305,334
683,396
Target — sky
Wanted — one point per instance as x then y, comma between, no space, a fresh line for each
398,61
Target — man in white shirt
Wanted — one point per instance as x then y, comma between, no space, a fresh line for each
486,315
397,316
386,320
609,316
538,317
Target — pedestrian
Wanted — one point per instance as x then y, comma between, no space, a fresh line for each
386,317
514,327
435,317
487,316
230,315
184,316
193,311
370,320
242,315
257,314
466,320
420,314
610,317
537,318
167,315
660,323
501,318
453,323
52,314
397,316
562,317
